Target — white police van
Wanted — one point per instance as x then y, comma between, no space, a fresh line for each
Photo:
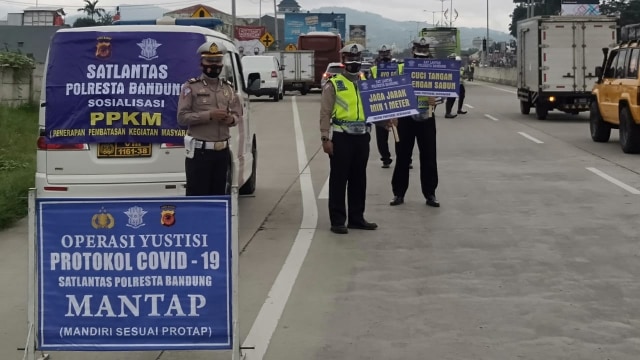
88,91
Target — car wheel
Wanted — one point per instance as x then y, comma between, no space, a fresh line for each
250,186
525,107
629,133
541,111
282,94
600,130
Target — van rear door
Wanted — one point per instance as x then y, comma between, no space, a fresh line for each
110,110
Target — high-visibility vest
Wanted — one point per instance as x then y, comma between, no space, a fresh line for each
348,105
374,70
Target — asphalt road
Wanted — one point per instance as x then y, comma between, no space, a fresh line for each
534,253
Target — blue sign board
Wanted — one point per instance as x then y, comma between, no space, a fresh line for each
431,77
118,86
386,69
302,23
388,98
134,274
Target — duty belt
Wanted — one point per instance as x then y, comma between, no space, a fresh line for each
351,127
211,145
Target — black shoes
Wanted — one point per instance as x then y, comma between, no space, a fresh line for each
432,201
449,115
397,200
461,112
363,225
339,229
386,163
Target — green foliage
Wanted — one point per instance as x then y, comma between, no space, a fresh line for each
627,11
23,65
549,7
17,160
91,9
84,22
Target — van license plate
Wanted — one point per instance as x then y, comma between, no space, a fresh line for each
124,150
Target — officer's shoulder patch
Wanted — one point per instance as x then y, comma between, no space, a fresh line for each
193,80
340,85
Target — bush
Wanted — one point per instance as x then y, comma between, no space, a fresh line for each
17,160
22,64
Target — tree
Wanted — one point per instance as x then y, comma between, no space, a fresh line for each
627,11
105,19
548,7
91,9
84,22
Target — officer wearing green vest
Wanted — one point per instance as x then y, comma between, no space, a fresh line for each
419,128
452,100
345,138
382,132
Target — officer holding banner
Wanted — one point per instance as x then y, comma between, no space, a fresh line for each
345,138
384,67
419,128
452,100
208,106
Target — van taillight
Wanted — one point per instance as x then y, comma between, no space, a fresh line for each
44,145
274,74
171,145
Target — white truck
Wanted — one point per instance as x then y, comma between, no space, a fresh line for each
556,59
298,69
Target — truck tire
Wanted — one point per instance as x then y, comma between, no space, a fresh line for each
542,111
600,130
305,90
525,107
250,186
629,133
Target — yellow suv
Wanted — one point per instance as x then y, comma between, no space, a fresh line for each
616,97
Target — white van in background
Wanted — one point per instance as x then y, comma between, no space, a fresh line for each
129,169
271,75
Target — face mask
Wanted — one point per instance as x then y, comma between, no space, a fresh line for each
212,71
353,68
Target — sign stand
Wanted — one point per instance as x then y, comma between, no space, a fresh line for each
31,351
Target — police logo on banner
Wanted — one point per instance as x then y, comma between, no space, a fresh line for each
103,220
135,214
148,49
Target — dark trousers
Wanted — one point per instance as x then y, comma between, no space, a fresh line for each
424,132
452,100
207,172
382,141
348,176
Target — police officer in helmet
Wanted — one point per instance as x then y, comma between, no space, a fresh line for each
419,128
382,132
208,106
452,100
345,138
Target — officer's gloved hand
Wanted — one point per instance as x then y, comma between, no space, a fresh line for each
391,123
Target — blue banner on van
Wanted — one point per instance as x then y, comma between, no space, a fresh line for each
118,86
134,274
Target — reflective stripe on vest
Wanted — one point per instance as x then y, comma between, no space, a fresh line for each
348,105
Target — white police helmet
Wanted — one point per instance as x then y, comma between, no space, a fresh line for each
211,49
421,46
384,48
352,49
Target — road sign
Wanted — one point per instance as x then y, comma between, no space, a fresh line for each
266,39
201,13
291,47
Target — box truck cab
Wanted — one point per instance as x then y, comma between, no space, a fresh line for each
108,115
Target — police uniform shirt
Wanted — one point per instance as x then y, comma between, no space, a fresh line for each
197,98
328,101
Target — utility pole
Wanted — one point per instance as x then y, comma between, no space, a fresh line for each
275,22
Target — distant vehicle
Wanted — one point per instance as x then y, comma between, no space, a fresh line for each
557,57
366,68
616,99
326,46
298,69
271,73
332,69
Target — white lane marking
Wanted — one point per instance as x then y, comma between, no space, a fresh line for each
324,193
501,89
530,137
491,117
614,181
267,320
469,106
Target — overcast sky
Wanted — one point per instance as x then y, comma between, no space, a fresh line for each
471,13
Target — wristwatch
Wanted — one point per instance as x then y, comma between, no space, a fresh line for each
324,139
